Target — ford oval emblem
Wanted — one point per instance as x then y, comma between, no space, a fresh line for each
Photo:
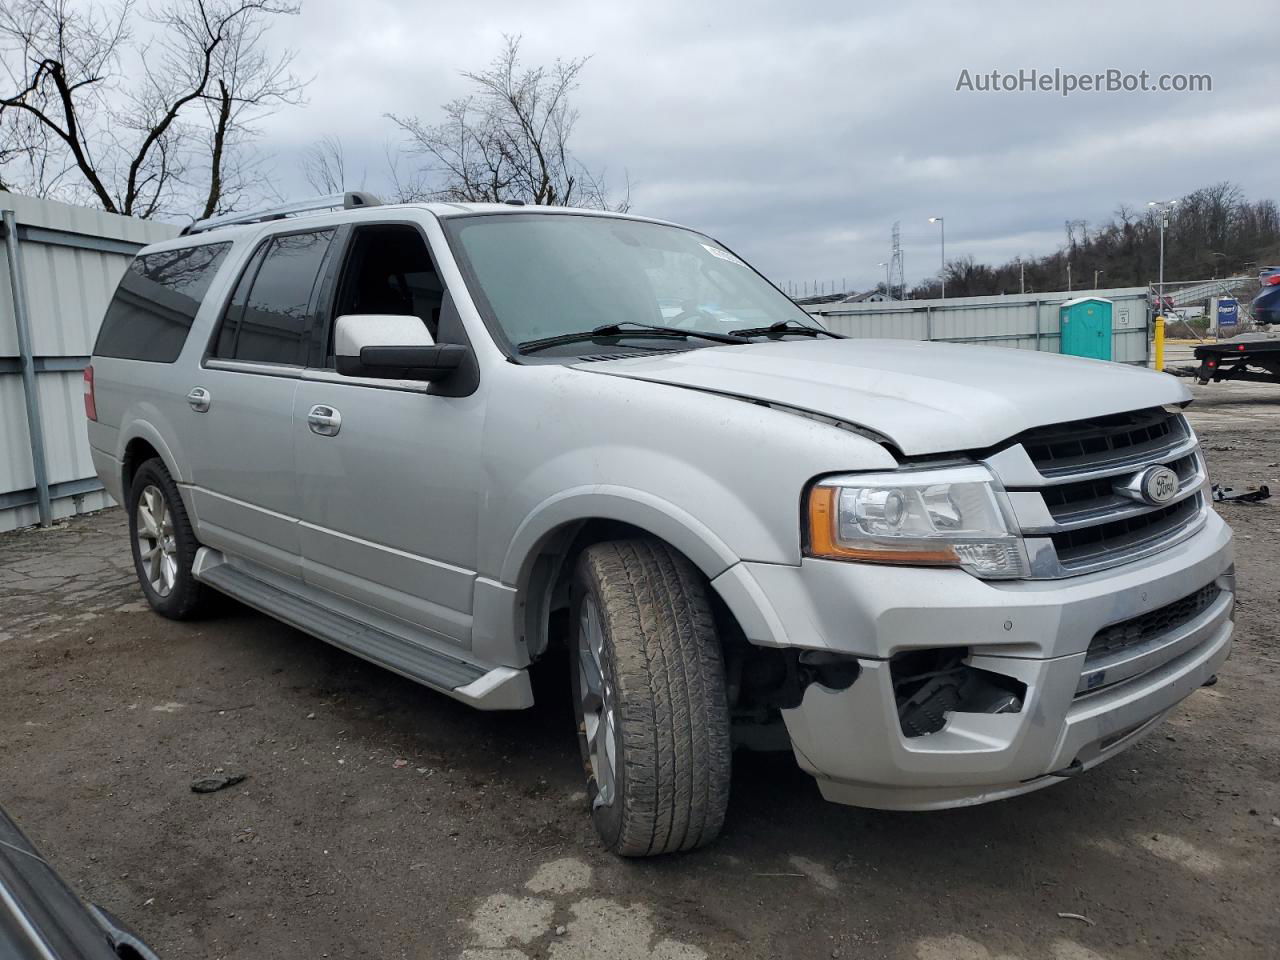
1159,485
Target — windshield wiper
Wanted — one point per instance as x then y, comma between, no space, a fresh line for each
789,326
618,329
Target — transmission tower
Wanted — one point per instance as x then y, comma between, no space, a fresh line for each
896,270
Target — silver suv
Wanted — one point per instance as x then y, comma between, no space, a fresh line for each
454,438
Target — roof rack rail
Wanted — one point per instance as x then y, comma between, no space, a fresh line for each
347,201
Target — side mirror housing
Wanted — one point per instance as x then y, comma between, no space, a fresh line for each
392,348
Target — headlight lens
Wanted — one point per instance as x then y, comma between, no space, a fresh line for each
953,517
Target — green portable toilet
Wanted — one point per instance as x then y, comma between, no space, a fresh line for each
1085,325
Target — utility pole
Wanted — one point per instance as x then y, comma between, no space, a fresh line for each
943,234
1022,276
897,273
1164,206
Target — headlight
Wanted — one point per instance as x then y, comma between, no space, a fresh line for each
947,517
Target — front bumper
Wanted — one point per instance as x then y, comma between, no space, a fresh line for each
1037,632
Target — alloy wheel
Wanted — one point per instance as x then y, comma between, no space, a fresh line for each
599,717
157,545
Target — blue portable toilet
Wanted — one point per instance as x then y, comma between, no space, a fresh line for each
1085,327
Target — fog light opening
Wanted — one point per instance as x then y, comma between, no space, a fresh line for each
835,671
930,685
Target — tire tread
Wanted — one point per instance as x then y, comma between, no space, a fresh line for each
670,678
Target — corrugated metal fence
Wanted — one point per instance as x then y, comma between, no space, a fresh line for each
62,265
1027,321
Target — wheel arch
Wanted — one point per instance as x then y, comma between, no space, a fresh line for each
547,544
141,441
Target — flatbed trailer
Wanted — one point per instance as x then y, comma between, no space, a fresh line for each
1239,360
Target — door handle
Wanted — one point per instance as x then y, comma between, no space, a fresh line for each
199,398
324,420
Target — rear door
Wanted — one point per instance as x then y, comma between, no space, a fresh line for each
241,403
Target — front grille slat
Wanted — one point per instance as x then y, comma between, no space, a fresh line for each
1141,436
1085,544
1088,496
1082,471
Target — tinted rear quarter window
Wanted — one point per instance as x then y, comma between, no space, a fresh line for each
269,317
157,299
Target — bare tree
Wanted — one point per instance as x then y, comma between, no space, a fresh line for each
138,128
247,85
324,165
510,139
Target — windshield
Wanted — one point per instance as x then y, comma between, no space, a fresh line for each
543,275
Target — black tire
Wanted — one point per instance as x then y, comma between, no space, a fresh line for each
662,661
187,596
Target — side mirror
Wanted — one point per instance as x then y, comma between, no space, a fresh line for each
392,348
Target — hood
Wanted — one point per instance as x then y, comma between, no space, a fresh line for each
924,397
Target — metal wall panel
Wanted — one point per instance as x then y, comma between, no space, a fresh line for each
72,258
1025,322
15,442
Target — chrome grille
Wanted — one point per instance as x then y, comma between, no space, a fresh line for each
1068,501
1085,545
1068,484
1125,436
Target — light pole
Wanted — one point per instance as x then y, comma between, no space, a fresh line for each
1096,273
887,291
1164,206
943,228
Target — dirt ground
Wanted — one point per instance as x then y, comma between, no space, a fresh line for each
479,845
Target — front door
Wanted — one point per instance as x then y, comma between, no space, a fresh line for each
388,475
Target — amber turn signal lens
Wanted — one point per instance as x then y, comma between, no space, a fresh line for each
823,542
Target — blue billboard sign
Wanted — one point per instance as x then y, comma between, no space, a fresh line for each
1228,311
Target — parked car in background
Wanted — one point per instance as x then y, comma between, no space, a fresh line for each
41,918
451,437
1266,302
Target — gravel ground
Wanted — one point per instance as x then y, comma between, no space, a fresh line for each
380,820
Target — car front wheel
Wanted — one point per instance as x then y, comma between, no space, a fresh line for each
649,694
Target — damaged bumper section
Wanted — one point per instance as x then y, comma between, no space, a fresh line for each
968,691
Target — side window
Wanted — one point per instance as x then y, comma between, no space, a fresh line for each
389,270
153,308
268,319
230,326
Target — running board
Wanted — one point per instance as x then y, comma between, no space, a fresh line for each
498,688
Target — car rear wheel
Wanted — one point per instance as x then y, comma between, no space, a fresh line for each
649,694
164,545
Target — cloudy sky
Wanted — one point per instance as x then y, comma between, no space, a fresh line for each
798,133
